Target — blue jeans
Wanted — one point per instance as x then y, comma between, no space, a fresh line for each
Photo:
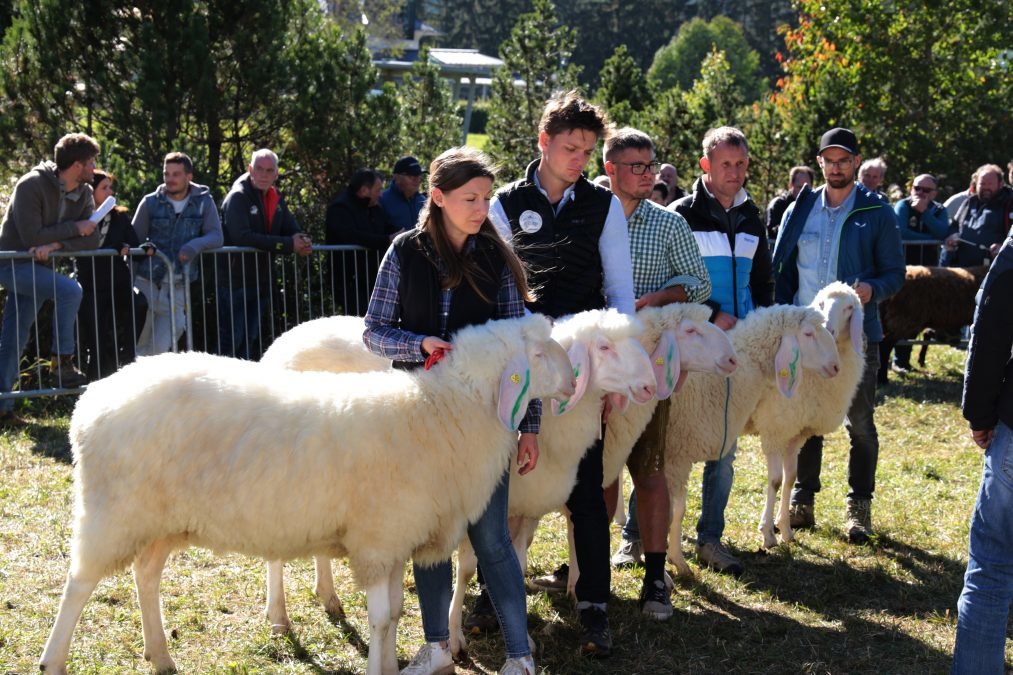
239,311
864,455
502,575
717,486
28,285
983,607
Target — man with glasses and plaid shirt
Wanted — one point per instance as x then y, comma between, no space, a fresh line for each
729,229
667,268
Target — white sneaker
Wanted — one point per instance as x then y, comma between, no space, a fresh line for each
524,665
432,659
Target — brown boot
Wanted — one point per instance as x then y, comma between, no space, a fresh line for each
859,521
65,374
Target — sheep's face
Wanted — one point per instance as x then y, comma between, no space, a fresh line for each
704,348
551,374
818,349
842,312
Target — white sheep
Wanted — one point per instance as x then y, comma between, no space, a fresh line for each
193,449
818,407
681,340
774,345
607,358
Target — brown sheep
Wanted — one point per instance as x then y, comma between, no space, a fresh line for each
940,298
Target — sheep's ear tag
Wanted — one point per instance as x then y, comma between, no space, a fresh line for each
665,363
580,359
788,366
514,392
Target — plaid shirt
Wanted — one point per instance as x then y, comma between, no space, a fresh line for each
385,338
665,253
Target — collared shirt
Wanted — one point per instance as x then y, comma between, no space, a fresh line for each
613,246
402,212
384,337
819,246
665,253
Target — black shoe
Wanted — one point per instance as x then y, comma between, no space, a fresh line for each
655,601
595,636
483,617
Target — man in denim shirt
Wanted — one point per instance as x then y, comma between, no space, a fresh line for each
841,232
180,219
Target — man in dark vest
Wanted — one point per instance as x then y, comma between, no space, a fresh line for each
572,236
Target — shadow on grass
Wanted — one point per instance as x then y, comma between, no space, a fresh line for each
940,386
309,659
50,441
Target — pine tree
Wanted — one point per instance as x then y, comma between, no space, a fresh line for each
429,121
539,52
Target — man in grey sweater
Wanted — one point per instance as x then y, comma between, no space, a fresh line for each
48,211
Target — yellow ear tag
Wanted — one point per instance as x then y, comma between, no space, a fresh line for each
515,378
660,361
783,372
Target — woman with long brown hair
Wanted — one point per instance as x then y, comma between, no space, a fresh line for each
451,271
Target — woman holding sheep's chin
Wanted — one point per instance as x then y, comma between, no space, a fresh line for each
452,271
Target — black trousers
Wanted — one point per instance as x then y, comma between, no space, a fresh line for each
591,528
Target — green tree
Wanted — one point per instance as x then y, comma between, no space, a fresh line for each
429,120
679,62
929,88
714,100
669,124
623,83
538,52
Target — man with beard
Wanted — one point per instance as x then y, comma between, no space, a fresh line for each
841,232
981,223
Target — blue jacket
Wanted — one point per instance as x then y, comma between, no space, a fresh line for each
870,250
196,229
401,212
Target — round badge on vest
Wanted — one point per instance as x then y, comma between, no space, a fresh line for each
530,221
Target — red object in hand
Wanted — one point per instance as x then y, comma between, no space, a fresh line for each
435,357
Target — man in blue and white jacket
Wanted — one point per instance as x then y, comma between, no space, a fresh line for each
841,232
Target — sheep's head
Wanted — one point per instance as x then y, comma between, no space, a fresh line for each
540,370
807,345
842,312
606,358
684,341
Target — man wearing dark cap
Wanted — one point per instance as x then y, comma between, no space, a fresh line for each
841,232
402,201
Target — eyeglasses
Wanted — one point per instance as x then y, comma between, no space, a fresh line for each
923,189
638,168
839,164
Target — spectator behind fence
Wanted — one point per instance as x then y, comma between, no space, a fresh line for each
872,174
402,202
669,175
798,178
841,232
982,222
957,200
48,211
983,607
253,214
181,220
356,218
659,194
921,218
110,310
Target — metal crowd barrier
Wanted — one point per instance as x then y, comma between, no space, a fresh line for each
236,301
285,290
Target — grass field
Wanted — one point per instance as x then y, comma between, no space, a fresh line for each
817,606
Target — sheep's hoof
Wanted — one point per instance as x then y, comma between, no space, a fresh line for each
458,645
334,608
769,540
282,627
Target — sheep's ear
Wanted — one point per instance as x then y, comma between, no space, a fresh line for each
514,392
788,366
619,402
857,322
580,359
666,366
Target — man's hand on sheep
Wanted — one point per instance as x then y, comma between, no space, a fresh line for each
432,343
527,453
725,321
665,296
982,437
